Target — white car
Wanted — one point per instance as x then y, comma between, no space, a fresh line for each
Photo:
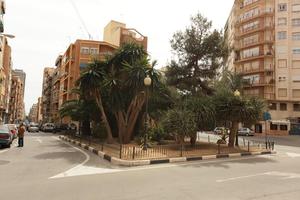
246,132
33,128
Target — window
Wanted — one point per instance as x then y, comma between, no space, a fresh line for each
93,51
282,7
273,127
297,107
296,36
296,51
296,8
296,79
296,93
251,52
282,63
282,92
296,64
281,49
283,127
283,106
296,22
84,50
281,35
282,21
273,106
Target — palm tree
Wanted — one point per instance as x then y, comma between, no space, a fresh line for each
90,85
126,95
237,109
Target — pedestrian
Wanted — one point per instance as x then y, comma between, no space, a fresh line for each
21,132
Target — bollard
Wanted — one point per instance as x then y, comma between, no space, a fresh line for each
244,142
208,139
273,144
133,153
248,146
266,145
120,153
219,149
181,150
102,147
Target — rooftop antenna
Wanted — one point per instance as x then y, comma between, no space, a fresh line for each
81,19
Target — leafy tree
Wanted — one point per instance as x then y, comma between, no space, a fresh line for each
199,51
180,123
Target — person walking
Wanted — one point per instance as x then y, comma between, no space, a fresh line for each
21,132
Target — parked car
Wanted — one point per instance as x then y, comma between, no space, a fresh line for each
48,127
33,127
6,137
13,129
221,130
245,132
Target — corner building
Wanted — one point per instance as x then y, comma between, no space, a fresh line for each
264,38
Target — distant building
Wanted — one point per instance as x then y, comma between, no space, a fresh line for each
117,34
16,104
46,93
33,117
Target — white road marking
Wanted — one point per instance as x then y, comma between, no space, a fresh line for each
3,151
284,175
293,155
80,169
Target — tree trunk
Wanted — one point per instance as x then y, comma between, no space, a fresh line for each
127,120
193,140
233,132
104,118
86,129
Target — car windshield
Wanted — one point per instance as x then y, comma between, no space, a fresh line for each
12,126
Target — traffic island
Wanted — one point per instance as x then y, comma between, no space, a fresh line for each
115,159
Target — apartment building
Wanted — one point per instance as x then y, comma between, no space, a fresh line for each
54,108
33,113
16,104
46,93
39,110
264,39
74,60
117,34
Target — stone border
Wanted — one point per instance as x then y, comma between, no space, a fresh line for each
130,163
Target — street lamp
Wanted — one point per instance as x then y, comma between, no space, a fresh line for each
8,35
147,83
237,93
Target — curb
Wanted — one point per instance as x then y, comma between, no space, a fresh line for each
131,163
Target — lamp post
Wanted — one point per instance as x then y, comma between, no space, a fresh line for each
147,83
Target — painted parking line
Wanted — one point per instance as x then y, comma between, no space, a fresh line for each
281,175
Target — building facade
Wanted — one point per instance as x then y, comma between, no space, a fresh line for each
16,104
116,33
46,93
33,113
265,46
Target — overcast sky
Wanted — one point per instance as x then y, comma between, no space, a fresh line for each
44,28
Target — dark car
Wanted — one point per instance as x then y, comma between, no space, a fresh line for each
6,137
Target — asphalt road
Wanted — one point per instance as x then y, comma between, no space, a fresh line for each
47,168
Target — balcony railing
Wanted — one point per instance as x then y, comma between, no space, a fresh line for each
253,29
253,42
254,56
261,82
256,70
260,13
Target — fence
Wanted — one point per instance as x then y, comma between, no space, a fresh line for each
206,145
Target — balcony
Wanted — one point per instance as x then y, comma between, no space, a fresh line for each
260,14
261,55
253,3
254,29
259,83
253,43
261,69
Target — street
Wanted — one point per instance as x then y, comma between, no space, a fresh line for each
47,168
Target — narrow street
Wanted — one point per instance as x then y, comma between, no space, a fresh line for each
47,168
